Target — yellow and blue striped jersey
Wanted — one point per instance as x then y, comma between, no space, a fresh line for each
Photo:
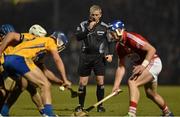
31,46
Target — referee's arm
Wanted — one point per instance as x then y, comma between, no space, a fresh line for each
81,32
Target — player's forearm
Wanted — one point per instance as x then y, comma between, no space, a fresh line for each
64,77
119,75
10,37
59,64
150,51
3,45
61,69
149,56
51,76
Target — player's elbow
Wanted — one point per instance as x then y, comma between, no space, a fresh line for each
13,36
153,50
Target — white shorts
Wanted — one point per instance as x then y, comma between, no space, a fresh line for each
155,67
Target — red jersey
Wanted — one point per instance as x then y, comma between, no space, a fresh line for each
131,46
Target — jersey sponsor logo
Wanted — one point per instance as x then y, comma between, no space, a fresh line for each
100,32
78,28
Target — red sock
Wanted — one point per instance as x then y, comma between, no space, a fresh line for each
165,109
132,107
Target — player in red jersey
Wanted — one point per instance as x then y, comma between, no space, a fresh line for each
146,67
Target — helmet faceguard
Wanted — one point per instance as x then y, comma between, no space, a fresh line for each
61,40
5,29
37,30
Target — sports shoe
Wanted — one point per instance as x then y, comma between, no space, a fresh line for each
168,115
44,115
130,115
79,109
101,109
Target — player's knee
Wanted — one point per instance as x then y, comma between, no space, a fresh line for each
47,84
44,84
100,82
83,82
132,83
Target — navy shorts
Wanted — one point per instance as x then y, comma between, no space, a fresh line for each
91,62
17,64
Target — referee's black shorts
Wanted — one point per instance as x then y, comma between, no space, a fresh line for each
91,62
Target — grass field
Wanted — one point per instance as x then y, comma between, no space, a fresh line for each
116,106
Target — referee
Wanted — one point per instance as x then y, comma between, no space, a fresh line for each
95,51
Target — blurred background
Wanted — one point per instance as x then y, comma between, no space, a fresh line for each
156,20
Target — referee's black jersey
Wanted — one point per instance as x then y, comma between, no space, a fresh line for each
96,40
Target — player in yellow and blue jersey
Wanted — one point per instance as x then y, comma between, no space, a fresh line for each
4,29
12,89
38,31
23,55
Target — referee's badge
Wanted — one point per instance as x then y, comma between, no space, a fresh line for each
78,28
100,33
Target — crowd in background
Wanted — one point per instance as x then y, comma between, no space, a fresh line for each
157,20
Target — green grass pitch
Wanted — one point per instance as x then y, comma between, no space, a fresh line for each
116,106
